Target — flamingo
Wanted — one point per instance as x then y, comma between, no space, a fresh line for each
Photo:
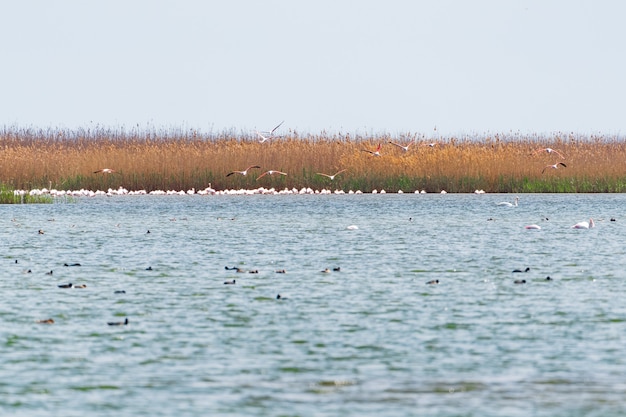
404,148
270,172
332,177
374,153
244,172
555,166
584,225
549,151
105,171
533,227
507,204
270,133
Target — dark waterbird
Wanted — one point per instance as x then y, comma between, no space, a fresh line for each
519,281
233,282
432,282
519,270
74,264
65,285
118,323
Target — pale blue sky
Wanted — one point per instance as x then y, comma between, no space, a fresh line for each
364,66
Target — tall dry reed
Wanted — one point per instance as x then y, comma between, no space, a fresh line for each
181,160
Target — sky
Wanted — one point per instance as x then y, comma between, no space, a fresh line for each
363,66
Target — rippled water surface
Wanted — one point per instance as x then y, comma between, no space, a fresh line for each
371,339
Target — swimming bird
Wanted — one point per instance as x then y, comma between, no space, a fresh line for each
74,264
119,292
118,323
149,268
549,151
519,270
80,286
337,269
519,281
41,232
281,271
270,172
325,271
244,172
555,166
233,282
533,227
507,204
404,148
270,134
280,297
49,272
65,285
332,177
584,225
548,278
374,153
105,171
433,281
46,321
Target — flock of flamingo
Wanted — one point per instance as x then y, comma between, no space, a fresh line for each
266,136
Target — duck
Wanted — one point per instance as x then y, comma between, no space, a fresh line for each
280,297
519,270
433,281
74,264
548,278
80,286
281,271
118,323
46,321
65,285
337,269
49,272
325,271
119,292
232,282
519,281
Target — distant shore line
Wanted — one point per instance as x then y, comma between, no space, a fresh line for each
102,159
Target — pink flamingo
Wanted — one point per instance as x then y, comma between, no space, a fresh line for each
244,172
270,172
332,177
374,153
555,166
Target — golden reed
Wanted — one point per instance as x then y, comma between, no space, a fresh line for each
181,160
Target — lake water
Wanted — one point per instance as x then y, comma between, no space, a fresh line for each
371,339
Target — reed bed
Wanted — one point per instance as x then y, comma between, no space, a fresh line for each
185,159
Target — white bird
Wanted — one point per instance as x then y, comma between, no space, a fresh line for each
374,153
105,171
270,134
404,148
533,227
244,172
507,204
332,177
555,166
549,151
270,172
584,225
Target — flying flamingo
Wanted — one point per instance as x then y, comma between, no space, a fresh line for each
244,172
549,151
374,153
332,177
105,171
404,148
555,166
507,204
584,225
270,133
270,172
